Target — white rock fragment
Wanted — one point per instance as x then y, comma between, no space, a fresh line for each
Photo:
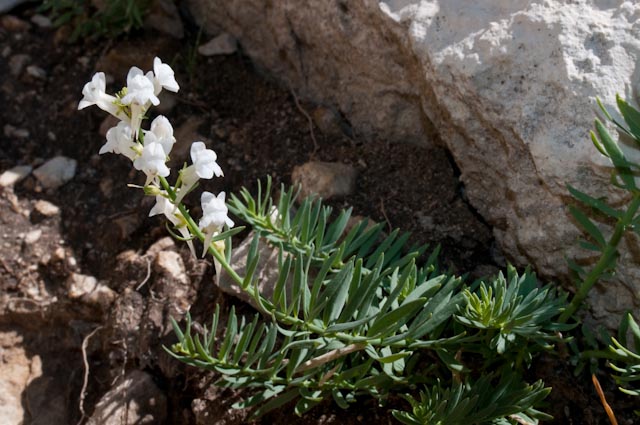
33,236
88,290
224,44
14,175
36,72
41,21
170,264
46,208
56,172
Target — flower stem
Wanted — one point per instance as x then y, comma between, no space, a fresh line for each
195,230
605,261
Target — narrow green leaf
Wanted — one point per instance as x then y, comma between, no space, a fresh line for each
616,155
395,319
631,116
232,326
276,402
336,303
588,226
594,202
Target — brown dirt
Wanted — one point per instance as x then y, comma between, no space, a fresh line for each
103,231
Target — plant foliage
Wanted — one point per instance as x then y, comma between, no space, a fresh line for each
622,353
353,313
110,19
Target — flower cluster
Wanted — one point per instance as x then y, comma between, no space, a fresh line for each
149,150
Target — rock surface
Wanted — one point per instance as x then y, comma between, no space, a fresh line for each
509,86
134,400
325,179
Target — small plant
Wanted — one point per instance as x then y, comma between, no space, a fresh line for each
622,354
111,19
478,403
353,312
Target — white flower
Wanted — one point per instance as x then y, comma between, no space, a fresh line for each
164,77
120,140
94,94
165,207
204,161
214,216
140,89
162,132
204,166
152,161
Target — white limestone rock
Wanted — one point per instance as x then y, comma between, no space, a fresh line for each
510,88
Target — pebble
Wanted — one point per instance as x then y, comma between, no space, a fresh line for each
89,291
17,63
36,72
224,44
14,24
18,133
325,179
56,172
41,21
170,264
32,237
14,175
46,208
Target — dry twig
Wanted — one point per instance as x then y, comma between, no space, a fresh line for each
301,109
603,400
85,381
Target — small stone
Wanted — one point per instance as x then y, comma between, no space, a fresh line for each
33,236
88,290
170,264
14,175
325,179
46,208
36,72
79,285
17,63
41,21
6,51
56,172
224,44
18,133
14,24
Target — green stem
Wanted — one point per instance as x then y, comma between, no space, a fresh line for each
608,255
195,230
